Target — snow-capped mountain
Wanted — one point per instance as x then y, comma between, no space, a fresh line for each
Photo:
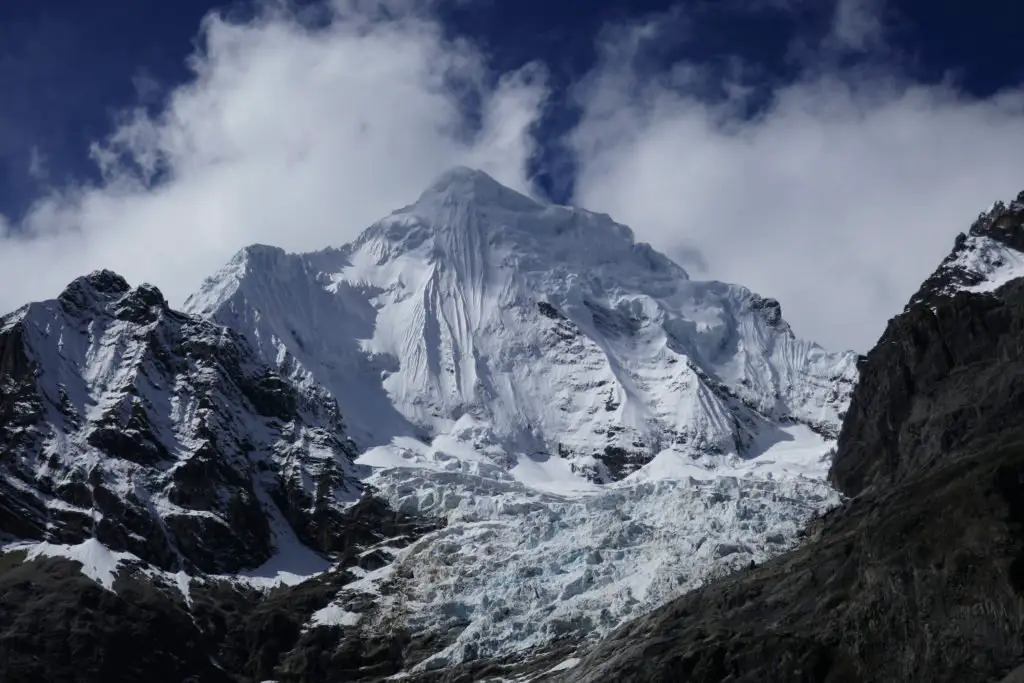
984,258
160,435
552,427
547,327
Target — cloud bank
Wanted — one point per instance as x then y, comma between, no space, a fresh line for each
294,133
838,199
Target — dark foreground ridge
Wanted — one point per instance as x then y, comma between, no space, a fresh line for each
920,575
58,625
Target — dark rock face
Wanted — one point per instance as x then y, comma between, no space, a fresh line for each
769,308
939,381
549,311
920,575
160,434
58,625
269,637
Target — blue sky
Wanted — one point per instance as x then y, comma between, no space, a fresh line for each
68,68
822,152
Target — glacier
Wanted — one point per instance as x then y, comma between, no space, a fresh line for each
526,559
598,431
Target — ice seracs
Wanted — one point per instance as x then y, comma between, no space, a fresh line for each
530,559
550,324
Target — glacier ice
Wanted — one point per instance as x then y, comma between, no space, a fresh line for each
599,431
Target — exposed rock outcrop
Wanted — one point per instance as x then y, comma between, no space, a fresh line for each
160,434
56,624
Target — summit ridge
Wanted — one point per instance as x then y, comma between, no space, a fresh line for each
470,302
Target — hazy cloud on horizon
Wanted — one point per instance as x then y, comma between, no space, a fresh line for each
837,197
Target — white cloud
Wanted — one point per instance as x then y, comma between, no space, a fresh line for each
288,134
839,200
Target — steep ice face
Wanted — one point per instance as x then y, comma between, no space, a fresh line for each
162,436
550,324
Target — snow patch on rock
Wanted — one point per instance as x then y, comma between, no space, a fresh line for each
98,562
993,262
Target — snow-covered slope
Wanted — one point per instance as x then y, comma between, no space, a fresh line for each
160,435
550,325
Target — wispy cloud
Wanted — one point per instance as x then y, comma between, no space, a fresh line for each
290,132
838,198
857,25
147,87
38,167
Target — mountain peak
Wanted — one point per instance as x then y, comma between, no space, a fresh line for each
255,252
98,287
461,184
984,258
259,257
106,292
466,212
1003,223
465,304
101,281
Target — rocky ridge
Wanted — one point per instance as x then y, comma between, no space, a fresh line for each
160,435
160,487
984,258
